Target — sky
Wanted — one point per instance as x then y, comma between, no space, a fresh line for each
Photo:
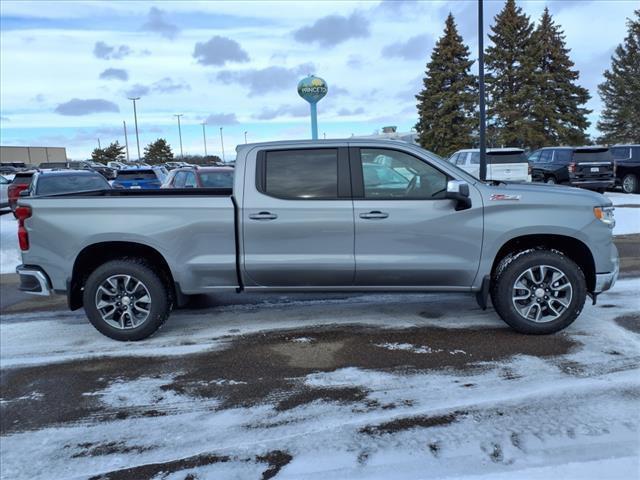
67,68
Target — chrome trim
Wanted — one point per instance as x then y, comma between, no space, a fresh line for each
43,281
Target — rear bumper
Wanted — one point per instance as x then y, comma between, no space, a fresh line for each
33,280
595,184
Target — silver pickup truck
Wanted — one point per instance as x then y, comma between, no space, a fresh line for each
322,216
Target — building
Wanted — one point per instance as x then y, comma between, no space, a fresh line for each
32,155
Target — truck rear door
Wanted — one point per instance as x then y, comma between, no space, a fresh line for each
508,166
592,164
297,218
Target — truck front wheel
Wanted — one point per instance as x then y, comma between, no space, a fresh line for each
126,300
538,291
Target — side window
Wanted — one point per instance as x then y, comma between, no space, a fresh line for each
190,181
301,174
180,179
400,176
563,156
462,159
535,156
454,158
475,158
545,156
635,152
621,153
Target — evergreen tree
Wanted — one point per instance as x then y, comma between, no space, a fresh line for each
508,77
620,92
114,152
446,104
557,115
158,152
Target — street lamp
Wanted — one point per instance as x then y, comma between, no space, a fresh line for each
135,116
483,143
126,139
245,137
222,144
178,115
204,137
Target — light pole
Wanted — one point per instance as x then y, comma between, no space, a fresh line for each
135,117
99,146
126,139
222,144
178,115
245,137
204,137
483,143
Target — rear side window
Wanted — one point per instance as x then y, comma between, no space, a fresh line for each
454,158
475,158
563,156
22,179
190,182
179,179
505,157
302,174
592,155
545,156
621,153
635,151
49,185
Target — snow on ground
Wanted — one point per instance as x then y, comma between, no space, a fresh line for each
619,198
525,416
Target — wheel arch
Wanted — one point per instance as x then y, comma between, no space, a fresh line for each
572,248
94,255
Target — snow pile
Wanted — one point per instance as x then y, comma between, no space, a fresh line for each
9,251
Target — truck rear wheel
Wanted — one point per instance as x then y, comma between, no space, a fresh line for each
538,291
630,183
126,300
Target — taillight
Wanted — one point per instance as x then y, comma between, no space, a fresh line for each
572,167
22,213
13,192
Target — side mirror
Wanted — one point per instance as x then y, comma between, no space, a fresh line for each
458,190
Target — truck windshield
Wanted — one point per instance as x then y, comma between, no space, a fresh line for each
137,175
217,179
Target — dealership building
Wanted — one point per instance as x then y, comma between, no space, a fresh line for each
32,155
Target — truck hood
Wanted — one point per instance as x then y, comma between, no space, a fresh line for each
559,194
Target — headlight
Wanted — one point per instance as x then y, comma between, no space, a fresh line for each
605,215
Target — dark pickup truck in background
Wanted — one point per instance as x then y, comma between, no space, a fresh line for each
586,167
627,167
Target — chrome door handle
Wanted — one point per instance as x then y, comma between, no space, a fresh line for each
374,215
263,216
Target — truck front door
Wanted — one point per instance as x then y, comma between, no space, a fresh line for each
407,233
297,218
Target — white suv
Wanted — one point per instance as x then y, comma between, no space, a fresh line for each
509,164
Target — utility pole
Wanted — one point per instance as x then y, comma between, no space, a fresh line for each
135,117
126,139
178,115
204,137
483,141
222,143
99,146
245,137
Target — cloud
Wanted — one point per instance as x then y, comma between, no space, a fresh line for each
300,110
39,98
345,112
221,119
108,52
219,50
167,85
355,61
4,119
334,29
77,106
156,23
267,79
337,91
115,74
137,90
418,47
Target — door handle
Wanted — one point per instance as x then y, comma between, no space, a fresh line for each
263,216
374,215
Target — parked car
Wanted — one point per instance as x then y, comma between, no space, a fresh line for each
104,170
627,167
586,167
116,165
20,182
52,165
199,177
8,170
142,177
302,216
506,164
173,165
54,182
4,191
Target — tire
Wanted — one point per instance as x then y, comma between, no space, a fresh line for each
550,180
630,183
131,324
513,271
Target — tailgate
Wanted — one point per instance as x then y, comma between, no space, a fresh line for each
514,172
593,164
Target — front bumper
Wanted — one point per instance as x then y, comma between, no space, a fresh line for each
604,281
33,280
